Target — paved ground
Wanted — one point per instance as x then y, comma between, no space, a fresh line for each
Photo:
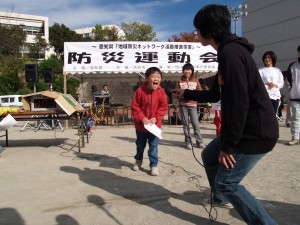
45,180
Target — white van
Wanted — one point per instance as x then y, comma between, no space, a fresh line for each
11,100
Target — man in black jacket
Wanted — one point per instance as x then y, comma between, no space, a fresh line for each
249,126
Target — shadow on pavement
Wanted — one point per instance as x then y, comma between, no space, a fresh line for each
141,192
46,143
65,219
10,216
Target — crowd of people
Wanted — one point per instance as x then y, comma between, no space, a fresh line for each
250,102
250,99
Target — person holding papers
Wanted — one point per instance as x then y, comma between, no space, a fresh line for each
149,106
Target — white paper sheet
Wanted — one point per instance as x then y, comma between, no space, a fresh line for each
152,128
7,122
216,106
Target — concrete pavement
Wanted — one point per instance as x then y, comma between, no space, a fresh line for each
44,180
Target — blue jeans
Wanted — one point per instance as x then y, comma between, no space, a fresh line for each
226,187
141,142
189,112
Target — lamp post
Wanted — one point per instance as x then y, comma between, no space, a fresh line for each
237,13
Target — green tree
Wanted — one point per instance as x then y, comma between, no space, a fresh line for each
12,39
12,75
113,35
8,85
136,31
86,39
58,34
38,49
100,33
72,85
104,33
12,59
57,65
52,62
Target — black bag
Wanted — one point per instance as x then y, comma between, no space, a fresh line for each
176,119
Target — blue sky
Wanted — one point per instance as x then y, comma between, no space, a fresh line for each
167,17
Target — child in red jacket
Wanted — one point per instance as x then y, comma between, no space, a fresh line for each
149,105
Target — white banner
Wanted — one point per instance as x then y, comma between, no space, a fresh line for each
87,57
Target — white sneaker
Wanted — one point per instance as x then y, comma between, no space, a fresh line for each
207,201
293,142
189,146
154,171
201,145
137,165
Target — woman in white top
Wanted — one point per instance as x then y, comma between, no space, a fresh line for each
272,78
105,90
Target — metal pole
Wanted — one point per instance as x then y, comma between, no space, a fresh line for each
237,13
235,24
65,83
65,92
81,88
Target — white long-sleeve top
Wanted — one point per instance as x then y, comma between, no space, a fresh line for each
273,75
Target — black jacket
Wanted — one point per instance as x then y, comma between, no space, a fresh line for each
249,124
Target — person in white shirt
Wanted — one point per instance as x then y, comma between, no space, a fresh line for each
105,90
272,78
107,99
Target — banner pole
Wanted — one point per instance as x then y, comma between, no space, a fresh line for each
65,83
65,92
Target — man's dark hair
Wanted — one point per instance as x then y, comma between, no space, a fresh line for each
152,70
272,55
298,49
188,66
213,22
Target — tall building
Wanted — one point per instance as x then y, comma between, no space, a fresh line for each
33,25
273,25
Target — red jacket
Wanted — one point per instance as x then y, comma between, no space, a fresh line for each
149,104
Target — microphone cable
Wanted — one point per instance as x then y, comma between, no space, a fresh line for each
186,123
